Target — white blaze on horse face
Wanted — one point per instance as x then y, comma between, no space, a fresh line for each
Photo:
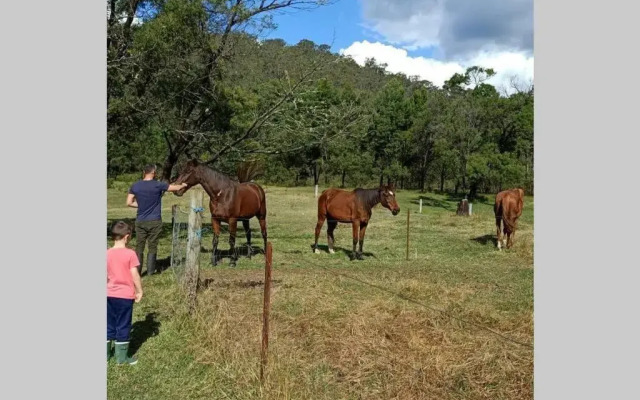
390,192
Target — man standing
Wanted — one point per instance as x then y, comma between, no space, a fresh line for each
146,196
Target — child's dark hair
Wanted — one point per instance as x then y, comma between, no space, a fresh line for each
119,230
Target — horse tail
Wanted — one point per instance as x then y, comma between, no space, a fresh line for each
499,213
509,217
322,205
509,224
249,170
263,201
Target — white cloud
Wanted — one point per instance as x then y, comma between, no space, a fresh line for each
505,63
398,60
458,28
418,30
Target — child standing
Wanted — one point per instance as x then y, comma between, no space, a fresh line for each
123,288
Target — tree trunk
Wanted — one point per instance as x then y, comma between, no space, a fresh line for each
381,179
443,172
316,174
473,191
167,168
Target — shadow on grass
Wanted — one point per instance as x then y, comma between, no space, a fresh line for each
348,252
141,331
457,197
250,284
428,201
242,250
486,239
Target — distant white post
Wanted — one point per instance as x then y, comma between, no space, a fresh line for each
316,191
420,206
470,208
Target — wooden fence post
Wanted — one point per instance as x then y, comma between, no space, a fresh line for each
265,311
420,206
192,262
174,233
408,215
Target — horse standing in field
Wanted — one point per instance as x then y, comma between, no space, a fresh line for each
336,205
229,201
507,209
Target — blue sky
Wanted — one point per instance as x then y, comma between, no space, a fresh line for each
338,25
431,39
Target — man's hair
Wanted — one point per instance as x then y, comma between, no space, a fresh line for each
119,230
149,168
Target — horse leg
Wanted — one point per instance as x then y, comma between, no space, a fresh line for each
355,225
321,219
363,229
331,226
263,230
233,227
215,224
499,233
247,231
510,238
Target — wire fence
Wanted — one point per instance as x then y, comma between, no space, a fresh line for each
180,238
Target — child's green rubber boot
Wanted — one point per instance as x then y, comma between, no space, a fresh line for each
121,354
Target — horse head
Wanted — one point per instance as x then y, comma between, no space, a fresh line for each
388,198
189,175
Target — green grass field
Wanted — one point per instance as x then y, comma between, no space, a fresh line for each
342,329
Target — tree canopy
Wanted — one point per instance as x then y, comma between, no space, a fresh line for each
191,78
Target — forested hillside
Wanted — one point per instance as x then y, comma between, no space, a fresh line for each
194,80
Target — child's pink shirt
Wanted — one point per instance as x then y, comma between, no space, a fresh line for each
119,279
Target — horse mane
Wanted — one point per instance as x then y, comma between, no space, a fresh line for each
368,197
210,174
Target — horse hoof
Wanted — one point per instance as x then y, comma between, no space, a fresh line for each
316,251
359,257
331,251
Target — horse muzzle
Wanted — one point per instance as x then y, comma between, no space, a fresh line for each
396,211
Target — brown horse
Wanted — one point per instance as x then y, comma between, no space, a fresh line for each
229,201
507,209
353,207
